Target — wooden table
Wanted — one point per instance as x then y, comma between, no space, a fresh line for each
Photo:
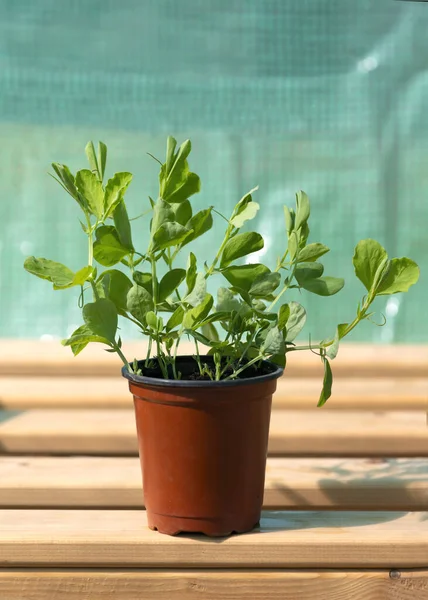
346,497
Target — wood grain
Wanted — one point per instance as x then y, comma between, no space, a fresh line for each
107,538
35,358
297,483
293,433
387,393
90,584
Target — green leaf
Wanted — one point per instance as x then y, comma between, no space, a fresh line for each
199,337
171,145
312,252
139,301
177,183
294,322
191,273
245,211
198,313
116,287
67,181
302,209
54,272
92,159
162,213
102,158
215,317
402,273
308,270
289,219
176,318
115,191
226,302
264,285
101,318
279,359
327,383
79,278
241,245
274,342
81,337
143,279
210,332
91,189
169,234
199,224
369,256
324,286
123,226
243,276
182,212
170,282
108,250
333,348
154,321
293,245
283,316
198,292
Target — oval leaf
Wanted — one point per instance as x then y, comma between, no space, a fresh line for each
101,318
91,189
312,252
241,245
369,255
170,282
108,250
54,272
308,270
243,276
139,302
402,273
324,286
115,191
264,285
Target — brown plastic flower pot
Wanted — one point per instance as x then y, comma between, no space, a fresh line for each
203,447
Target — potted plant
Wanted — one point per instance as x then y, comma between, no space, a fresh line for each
202,420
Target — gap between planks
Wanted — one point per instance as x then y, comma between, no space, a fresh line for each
292,433
107,538
35,358
386,393
151,584
299,484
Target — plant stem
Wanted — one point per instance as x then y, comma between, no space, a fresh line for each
149,351
220,251
239,371
154,283
122,356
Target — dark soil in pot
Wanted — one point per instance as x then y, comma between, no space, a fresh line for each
203,447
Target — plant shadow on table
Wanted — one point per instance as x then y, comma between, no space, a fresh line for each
363,494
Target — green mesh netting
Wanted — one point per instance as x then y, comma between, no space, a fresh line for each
330,96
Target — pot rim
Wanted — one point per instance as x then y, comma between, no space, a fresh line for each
186,383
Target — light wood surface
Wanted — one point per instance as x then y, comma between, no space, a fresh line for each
387,393
35,358
38,584
294,433
101,538
297,483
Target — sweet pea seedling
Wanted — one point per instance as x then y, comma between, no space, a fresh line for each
250,308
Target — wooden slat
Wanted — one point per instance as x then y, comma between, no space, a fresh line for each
318,432
298,483
93,538
42,584
34,358
388,393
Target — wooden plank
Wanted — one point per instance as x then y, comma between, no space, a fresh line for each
297,483
89,584
293,433
35,358
101,538
388,393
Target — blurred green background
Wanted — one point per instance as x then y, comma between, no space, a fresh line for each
328,96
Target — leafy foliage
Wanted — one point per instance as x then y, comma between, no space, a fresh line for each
249,321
